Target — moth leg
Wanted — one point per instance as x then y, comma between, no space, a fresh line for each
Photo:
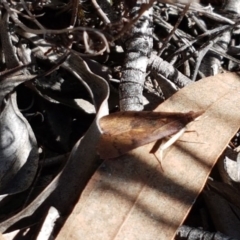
170,142
160,164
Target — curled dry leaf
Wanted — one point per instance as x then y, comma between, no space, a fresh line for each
8,84
49,224
229,167
18,150
66,187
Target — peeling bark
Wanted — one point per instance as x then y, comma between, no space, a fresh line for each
161,68
138,46
185,232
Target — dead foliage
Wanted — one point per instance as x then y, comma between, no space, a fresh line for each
79,159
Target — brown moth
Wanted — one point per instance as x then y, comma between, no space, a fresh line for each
125,131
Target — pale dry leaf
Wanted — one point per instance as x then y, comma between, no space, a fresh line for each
18,150
47,228
2,237
229,167
132,197
8,84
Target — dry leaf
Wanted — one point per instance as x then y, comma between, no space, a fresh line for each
8,84
229,167
18,150
48,225
65,188
130,197
2,237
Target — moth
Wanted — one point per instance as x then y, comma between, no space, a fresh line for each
125,131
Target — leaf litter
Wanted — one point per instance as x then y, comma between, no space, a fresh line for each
143,199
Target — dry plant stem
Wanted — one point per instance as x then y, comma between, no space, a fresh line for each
159,67
9,72
106,12
198,23
14,17
174,29
8,49
30,15
224,54
211,15
201,55
74,12
211,49
142,10
138,45
216,51
214,59
100,12
192,40
85,41
180,34
186,232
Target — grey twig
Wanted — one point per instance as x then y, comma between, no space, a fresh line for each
138,44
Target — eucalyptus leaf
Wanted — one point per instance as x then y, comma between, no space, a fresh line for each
18,149
8,84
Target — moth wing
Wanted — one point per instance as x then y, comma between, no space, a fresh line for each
111,146
120,122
